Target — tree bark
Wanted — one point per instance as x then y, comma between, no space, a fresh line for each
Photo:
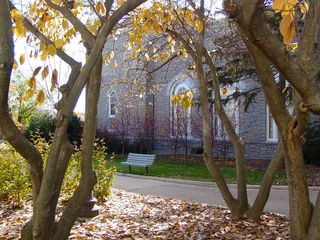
299,202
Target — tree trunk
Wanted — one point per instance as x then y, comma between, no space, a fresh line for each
206,128
299,202
314,229
63,161
256,210
291,129
88,178
236,141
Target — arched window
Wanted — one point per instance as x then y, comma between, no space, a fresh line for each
180,118
112,101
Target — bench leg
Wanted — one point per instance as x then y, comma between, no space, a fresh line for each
129,168
147,171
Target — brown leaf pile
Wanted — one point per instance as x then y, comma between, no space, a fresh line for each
134,216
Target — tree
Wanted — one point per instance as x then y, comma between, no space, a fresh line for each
301,69
46,184
184,30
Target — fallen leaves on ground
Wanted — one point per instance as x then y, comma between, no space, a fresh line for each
134,216
313,175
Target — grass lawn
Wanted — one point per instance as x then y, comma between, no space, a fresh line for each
192,171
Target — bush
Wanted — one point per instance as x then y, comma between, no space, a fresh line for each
105,174
43,122
14,175
311,148
15,182
75,130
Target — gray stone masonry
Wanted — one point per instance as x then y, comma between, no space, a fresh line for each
137,107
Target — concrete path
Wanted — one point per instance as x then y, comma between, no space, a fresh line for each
201,192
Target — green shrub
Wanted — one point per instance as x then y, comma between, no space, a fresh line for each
43,122
75,130
15,182
105,174
311,148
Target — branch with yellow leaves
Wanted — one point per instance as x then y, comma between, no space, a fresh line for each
86,35
95,10
62,54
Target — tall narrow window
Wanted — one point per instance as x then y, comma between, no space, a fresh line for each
180,117
272,130
112,104
232,111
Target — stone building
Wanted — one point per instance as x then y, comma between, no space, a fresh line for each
136,105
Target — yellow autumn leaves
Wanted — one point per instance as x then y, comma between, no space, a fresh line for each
287,10
185,99
156,20
18,26
32,82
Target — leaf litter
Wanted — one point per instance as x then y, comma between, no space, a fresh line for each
132,216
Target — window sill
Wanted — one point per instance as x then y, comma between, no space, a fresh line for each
272,141
181,138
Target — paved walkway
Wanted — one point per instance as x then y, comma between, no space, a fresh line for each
201,192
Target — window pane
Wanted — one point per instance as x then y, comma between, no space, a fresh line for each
180,117
112,109
112,103
232,111
270,130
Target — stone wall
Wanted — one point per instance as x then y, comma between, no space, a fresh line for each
253,122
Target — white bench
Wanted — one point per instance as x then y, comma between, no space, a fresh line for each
141,160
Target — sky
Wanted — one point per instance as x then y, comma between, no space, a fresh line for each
75,50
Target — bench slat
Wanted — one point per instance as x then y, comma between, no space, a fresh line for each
142,155
142,160
145,163
136,164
